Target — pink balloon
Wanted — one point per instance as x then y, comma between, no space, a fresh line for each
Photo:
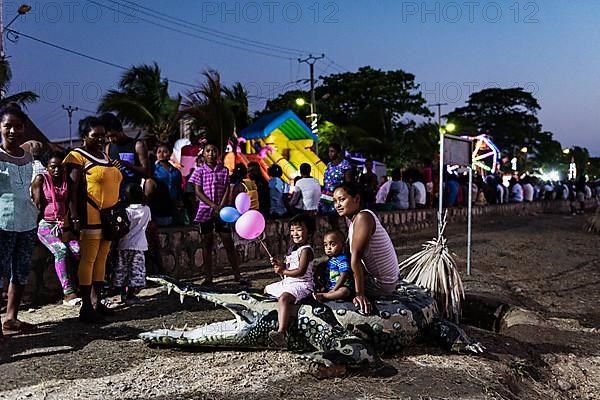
250,225
242,202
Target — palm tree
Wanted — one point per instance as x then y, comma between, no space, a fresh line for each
143,101
208,109
236,98
21,98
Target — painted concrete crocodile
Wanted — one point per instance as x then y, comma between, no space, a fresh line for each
334,331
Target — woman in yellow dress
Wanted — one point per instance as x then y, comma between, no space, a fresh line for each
93,179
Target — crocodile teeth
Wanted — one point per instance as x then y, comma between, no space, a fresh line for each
169,289
181,297
198,298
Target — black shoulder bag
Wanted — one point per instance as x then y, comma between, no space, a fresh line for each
113,220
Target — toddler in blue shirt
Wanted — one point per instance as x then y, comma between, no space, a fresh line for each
340,283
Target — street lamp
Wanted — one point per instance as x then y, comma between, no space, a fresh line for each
300,102
22,10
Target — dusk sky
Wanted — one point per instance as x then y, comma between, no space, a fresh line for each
551,48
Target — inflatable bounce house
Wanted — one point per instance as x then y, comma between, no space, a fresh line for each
278,138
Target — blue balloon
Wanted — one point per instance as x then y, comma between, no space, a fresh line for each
229,214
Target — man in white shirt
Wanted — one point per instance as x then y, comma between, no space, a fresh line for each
418,194
307,191
516,192
383,192
528,191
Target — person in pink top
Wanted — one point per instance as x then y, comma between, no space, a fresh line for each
49,192
211,183
373,258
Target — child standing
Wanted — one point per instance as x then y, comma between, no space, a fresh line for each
211,184
49,192
278,190
339,275
297,274
130,271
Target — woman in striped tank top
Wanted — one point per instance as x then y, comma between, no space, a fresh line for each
372,255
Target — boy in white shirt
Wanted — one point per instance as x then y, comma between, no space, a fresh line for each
307,191
129,275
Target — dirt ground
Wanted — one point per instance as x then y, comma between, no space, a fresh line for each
547,268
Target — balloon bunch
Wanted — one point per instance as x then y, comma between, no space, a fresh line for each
249,224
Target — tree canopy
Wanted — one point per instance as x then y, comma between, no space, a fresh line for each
215,109
369,111
21,98
143,101
509,116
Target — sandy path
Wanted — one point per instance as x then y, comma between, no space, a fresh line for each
547,265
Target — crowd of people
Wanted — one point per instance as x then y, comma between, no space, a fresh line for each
64,202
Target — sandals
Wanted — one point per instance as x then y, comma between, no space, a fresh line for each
16,326
106,308
75,301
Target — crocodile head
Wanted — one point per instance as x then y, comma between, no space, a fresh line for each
254,316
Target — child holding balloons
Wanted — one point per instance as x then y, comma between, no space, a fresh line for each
211,183
297,273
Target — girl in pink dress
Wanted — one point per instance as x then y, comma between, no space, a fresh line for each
297,273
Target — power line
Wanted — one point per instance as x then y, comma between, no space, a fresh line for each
340,68
193,34
87,111
284,88
49,114
50,119
224,35
80,54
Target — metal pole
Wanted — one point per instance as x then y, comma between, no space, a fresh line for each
469,217
311,60
441,169
70,110
313,106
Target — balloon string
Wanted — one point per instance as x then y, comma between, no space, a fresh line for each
265,247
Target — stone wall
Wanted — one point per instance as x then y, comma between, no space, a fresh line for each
183,257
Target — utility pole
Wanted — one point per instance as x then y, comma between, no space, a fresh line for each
441,161
70,110
311,60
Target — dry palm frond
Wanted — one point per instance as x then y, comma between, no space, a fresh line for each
593,223
434,269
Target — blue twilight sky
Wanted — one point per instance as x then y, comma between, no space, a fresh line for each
454,48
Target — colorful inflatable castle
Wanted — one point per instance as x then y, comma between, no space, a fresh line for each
278,138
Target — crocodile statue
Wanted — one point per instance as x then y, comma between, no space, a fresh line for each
334,331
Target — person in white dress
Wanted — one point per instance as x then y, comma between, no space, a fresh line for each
297,274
